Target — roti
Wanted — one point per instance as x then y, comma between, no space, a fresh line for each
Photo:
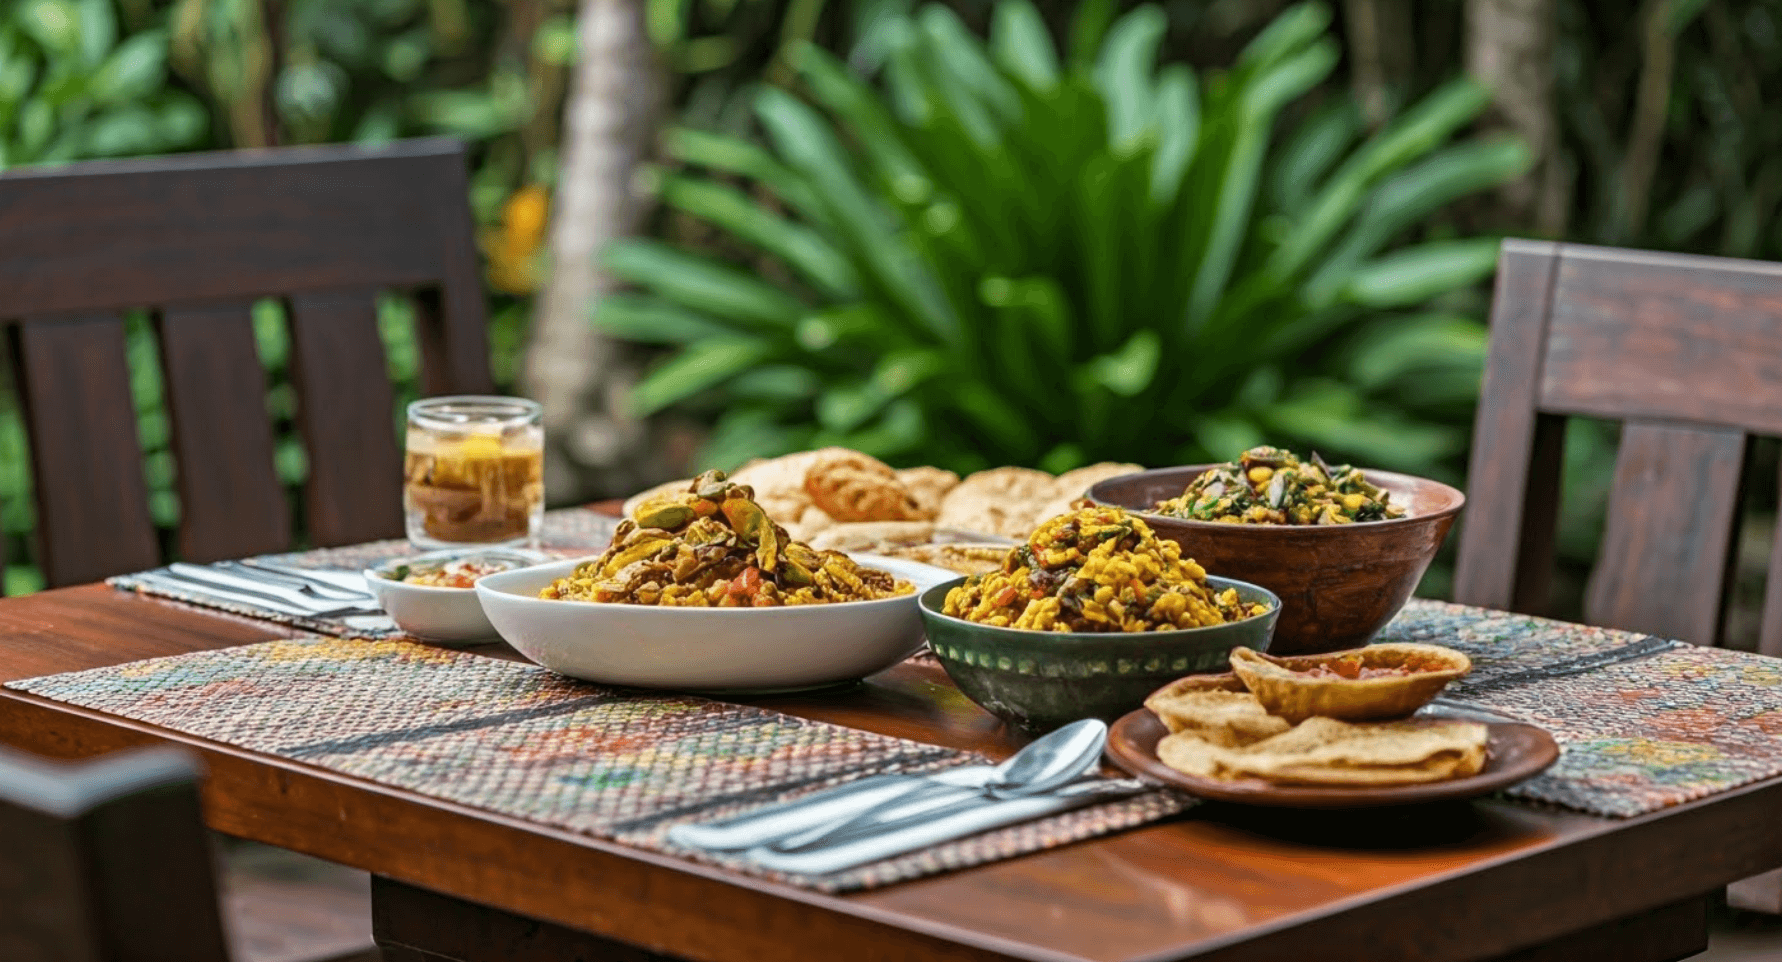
1324,751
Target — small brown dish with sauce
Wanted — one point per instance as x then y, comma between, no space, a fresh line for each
1368,684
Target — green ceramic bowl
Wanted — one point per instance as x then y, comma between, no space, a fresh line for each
1038,680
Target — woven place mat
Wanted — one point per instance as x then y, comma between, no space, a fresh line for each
1643,723
520,741
567,533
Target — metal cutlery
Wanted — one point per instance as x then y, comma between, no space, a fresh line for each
978,814
763,825
1049,763
179,576
296,580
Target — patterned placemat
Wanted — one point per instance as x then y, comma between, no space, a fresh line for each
520,741
567,532
1643,723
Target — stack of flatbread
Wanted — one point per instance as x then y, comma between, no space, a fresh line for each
1221,733
843,500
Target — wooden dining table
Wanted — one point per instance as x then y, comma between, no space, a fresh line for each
1486,879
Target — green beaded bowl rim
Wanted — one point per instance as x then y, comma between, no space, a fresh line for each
938,594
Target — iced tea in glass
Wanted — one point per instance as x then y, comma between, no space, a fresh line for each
474,472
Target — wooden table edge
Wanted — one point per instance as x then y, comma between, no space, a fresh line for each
142,732
1235,945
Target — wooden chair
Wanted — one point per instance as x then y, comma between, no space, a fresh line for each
1686,352
197,239
105,861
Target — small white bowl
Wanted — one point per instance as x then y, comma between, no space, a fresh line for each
446,616
708,649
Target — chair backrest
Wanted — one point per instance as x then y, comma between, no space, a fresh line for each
197,239
1686,352
105,861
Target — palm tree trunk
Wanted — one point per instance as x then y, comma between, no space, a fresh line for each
1509,48
577,373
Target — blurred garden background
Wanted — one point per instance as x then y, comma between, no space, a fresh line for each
964,233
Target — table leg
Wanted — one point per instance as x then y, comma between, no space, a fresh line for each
414,925
1664,934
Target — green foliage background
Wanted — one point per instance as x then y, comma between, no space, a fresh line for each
1694,169
1023,256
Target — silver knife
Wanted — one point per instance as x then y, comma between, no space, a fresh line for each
267,596
979,814
842,802
309,584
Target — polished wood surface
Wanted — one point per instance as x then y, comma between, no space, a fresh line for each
420,926
1685,352
195,239
1467,881
106,860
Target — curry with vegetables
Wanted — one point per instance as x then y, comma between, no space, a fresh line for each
1096,569
1271,486
713,546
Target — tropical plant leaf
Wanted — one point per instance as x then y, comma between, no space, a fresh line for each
1411,196
730,154
1021,45
1178,123
1275,85
808,144
1308,154
803,249
702,366
703,285
1053,264
651,320
1414,275
1394,348
1418,131
1123,74
1088,27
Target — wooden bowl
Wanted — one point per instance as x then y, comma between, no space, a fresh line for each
1339,584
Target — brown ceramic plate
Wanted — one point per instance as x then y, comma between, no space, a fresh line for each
1513,752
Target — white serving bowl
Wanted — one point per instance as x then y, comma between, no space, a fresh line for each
446,616
707,649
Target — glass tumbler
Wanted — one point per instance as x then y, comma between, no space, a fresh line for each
474,472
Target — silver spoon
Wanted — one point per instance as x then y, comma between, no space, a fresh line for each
1050,762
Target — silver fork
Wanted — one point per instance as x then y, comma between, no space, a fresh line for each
311,587
169,580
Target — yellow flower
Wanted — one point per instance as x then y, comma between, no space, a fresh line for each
513,248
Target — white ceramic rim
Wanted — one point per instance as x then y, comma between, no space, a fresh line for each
374,575
484,585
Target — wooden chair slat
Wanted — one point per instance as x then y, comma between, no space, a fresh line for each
451,322
106,860
1769,631
1505,436
226,225
231,506
345,411
1665,337
74,385
1687,352
228,228
1663,563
